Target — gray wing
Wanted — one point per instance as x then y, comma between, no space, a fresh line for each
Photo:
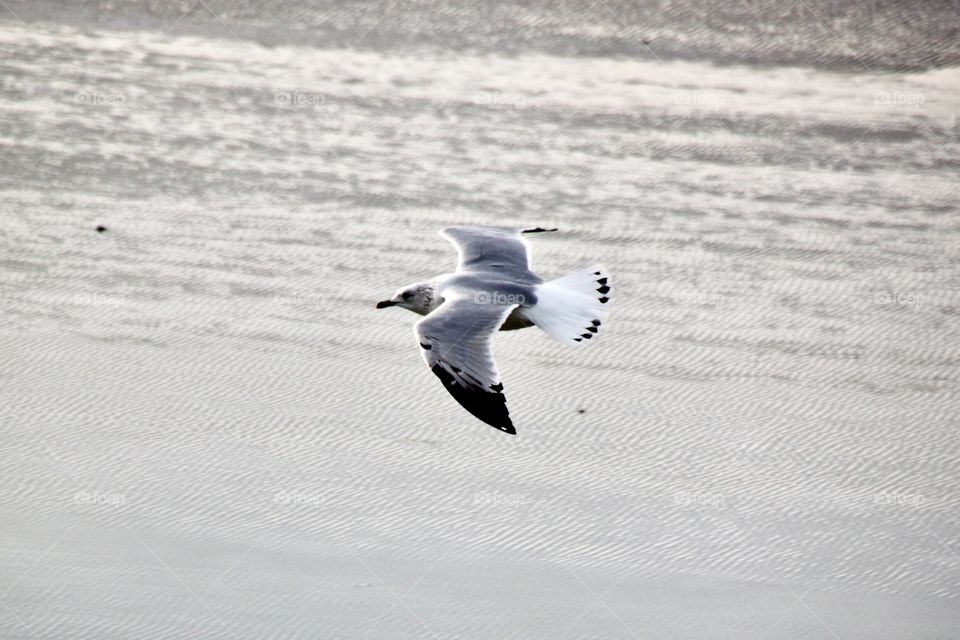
492,249
456,343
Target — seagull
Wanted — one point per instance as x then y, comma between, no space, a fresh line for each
495,289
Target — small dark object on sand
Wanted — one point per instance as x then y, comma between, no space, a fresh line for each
101,228
581,410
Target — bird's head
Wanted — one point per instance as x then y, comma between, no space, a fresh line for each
420,298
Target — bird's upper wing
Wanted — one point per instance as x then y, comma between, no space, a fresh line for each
456,343
492,249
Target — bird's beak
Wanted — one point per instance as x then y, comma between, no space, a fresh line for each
383,304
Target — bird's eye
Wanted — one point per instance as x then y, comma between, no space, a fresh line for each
406,295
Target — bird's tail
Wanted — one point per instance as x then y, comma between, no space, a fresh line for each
573,308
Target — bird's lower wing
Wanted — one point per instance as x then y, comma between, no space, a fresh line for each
456,343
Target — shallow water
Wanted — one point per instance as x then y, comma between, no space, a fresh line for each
210,432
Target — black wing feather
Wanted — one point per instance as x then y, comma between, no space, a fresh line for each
488,406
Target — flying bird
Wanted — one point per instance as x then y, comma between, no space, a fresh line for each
495,289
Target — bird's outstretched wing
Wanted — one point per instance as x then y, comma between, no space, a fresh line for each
456,343
493,249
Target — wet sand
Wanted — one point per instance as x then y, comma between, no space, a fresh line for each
209,431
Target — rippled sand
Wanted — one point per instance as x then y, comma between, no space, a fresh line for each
208,431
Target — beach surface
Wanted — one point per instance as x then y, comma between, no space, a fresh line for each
208,431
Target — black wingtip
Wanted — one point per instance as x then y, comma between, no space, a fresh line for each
488,406
537,230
